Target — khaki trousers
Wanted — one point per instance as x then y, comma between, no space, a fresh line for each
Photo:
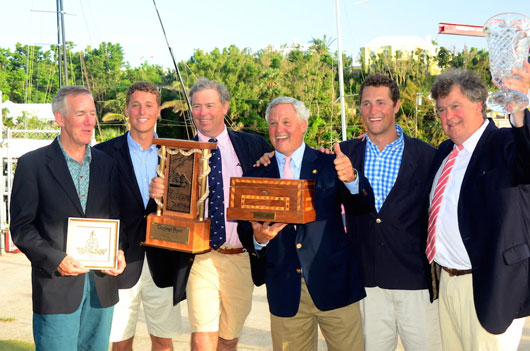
219,293
461,329
409,313
341,327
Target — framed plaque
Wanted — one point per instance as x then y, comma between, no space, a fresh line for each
272,200
93,242
180,223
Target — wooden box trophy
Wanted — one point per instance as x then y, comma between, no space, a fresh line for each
272,200
179,223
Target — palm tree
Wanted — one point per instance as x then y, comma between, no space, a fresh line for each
321,46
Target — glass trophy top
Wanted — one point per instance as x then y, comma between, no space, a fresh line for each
508,37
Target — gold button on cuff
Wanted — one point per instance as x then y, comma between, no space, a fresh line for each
298,246
298,270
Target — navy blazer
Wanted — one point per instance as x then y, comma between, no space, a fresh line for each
494,221
134,216
319,250
391,242
42,199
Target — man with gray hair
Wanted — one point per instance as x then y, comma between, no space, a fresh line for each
219,290
310,270
72,305
478,218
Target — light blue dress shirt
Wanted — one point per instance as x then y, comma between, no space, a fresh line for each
144,163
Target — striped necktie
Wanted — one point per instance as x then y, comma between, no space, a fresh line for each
430,251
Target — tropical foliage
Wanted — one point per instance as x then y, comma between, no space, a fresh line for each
29,74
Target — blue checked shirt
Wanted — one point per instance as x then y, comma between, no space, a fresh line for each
381,168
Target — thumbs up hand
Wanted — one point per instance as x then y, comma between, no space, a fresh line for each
343,166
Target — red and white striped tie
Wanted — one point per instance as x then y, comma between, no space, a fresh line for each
430,251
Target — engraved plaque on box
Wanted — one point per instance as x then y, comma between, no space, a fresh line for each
179,223
271,200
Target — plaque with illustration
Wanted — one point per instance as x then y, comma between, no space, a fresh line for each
180,183
179,223
93,242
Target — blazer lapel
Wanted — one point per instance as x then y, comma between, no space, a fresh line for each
241,150
406,170
478,151
310,167
126,169
59,169
271,171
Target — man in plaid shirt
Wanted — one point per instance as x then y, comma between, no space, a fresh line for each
391,238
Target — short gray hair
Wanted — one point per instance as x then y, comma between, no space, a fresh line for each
301,111
59,100
469,82
203,84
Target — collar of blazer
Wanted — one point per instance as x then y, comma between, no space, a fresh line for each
127,174
57,166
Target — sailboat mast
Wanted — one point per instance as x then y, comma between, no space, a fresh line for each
65,61
61,43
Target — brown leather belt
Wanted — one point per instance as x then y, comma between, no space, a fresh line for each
457,272
231,251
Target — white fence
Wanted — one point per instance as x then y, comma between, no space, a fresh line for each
15,144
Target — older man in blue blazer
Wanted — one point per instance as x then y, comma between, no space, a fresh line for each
479,216
310,270
72,306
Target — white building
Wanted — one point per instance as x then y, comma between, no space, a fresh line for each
389,45
42,111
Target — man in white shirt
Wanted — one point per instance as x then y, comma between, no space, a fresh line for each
478,216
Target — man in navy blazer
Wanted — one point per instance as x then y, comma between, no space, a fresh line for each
72,306
390,239
219,290
154,277
480,236
310,270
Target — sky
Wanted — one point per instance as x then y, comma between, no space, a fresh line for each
253,24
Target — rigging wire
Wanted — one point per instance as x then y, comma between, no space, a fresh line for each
186,98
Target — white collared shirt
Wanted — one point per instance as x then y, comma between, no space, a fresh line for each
450,249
